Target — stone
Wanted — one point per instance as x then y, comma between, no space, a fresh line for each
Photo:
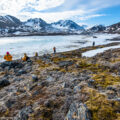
24,113
67,103
77,89
49,104
91,82
65,85
20,72
9,103
112,88
50,79
17,79
78,111
4,82
44,83
34,78
2,109
111,94
60,93
65,63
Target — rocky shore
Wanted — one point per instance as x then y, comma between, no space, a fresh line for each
62,86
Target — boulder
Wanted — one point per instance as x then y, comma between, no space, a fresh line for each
78,112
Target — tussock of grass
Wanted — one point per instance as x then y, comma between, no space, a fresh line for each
100,107
105,79
115,60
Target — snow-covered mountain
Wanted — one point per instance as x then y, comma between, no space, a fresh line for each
36,23
10,25
67,25
9,21
115,28
97,28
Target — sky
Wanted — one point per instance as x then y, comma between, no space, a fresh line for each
84,12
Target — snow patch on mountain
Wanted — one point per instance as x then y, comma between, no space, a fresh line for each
67,24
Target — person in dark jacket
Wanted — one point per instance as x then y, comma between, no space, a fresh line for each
54,50
93,43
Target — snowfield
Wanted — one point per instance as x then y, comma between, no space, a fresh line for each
92,53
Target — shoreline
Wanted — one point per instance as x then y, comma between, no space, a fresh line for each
40,35
79,50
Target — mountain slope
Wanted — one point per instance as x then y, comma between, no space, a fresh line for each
97,28
9,21
67,24
115,28
36,23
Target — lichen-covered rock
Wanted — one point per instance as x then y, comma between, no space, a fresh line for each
65,63
24,113
78,111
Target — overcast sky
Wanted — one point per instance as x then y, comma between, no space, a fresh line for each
90,12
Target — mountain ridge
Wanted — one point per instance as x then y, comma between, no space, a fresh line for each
10,25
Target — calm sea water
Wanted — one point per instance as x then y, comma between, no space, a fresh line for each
17,46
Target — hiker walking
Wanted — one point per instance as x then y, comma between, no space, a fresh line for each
8,57
54,50
93,43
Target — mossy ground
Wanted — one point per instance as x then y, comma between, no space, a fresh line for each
105,79
98,103
100,107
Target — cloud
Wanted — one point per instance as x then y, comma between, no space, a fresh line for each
18,6
84,5
53,10
83,18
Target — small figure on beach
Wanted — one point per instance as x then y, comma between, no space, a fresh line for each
8,57
36,54
93,43
25,58
54,50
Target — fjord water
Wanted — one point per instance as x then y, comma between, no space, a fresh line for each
17,46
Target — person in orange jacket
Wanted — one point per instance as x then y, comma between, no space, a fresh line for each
25,58
8,57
